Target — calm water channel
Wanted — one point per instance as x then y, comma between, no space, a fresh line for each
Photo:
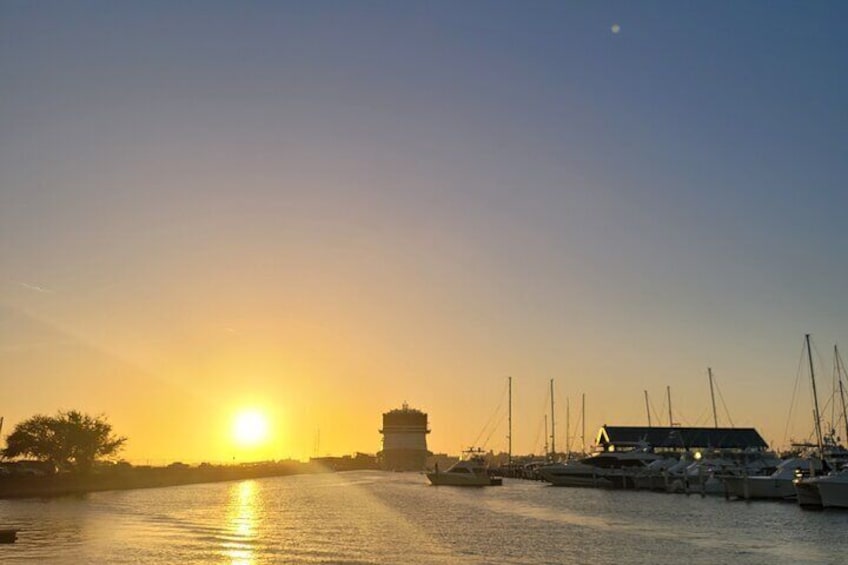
373,517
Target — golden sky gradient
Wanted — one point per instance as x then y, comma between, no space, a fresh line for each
321,212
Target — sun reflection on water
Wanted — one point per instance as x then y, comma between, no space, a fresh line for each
242,522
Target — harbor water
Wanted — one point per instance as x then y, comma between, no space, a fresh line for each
368,517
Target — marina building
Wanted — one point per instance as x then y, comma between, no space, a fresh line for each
680,439
404,440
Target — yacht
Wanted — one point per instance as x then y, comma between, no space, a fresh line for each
470,471
825,491
655,475
833,490
702,476
806,484
807,492
607,469
777,485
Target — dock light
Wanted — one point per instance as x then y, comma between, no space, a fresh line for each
698,456
611,448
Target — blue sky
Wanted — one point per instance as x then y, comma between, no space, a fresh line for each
353,204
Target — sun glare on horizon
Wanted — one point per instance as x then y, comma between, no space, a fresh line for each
250,428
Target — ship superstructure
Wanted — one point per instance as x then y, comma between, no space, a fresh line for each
404,440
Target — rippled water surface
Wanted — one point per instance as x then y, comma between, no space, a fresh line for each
374,517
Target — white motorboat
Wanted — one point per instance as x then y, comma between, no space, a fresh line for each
807,492
675,476
701,471
777,485
826,491
702,475
806,484
833,490
655,475
470,471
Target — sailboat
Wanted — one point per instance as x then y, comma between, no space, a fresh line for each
830,490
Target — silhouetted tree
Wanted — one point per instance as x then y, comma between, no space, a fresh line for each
69,440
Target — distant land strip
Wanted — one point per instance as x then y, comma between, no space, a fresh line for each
64,484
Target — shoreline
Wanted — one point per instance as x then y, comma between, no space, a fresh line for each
69,484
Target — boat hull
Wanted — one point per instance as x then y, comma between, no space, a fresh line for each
834,494
577,476
448,479
807,491
759,488
655,482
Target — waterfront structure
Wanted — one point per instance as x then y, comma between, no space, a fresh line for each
681,439
404,440
657,457
347,462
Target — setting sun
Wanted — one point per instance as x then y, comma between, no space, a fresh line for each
250,428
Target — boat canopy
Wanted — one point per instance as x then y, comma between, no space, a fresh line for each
681,438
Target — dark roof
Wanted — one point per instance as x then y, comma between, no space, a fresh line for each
682,438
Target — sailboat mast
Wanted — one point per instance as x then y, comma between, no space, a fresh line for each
553,428
832,430
583,423
712,395
567,427
648,408
844,414
817,416
670,419
841,390
510,422
547,453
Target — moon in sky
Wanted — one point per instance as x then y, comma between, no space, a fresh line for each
615,28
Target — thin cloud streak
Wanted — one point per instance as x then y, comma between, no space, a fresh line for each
36,288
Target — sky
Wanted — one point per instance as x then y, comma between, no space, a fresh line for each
321,210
